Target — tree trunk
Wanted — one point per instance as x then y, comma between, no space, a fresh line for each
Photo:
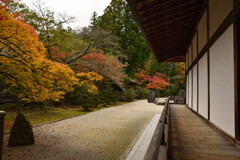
19,107
45,107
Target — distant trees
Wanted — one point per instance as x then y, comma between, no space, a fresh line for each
175,75
119,20
49,30
181,72
88,40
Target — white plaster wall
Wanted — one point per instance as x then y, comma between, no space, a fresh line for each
222,82
190,88
187,89
203,87
195,88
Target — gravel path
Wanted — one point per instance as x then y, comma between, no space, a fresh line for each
107,134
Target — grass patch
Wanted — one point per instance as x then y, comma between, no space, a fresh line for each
37,116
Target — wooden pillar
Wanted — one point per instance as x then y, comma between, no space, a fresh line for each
208,64
197,76
236,32
192,75
2,115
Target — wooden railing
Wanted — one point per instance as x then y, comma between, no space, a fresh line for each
177,100
2,115
7,98
158,147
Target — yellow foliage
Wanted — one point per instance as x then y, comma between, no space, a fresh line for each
24,65
93,89
181,71
90,78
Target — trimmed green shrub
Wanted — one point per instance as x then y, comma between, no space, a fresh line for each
130,95
142,92
82,97
4,107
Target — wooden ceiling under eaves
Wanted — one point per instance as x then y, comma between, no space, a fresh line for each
167,25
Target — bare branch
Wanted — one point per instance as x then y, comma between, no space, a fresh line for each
64,18
75,56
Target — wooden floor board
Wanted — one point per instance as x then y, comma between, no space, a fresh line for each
190,138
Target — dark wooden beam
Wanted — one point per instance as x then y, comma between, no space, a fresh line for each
165,41
164,58
237,75
177,16
180,28
192,72
144,10
197,77
168,9
208,63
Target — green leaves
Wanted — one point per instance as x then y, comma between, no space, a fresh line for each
118,19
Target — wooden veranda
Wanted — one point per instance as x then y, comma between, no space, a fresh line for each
191,138
184,135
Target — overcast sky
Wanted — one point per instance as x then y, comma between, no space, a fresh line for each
81,9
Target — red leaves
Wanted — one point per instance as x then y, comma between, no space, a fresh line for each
106,65
58,55
158,81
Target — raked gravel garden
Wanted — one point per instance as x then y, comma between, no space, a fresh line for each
106,134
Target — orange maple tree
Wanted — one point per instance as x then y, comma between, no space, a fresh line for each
157,81
23,63
105,65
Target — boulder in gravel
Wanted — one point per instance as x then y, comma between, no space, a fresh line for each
159,101
21,132
151,97
181,93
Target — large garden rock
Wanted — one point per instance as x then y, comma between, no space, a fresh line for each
181,93
151,97
21,132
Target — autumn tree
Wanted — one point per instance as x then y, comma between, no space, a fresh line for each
50,30
89,78
88,40
181,74
157,81
24,66
106,65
